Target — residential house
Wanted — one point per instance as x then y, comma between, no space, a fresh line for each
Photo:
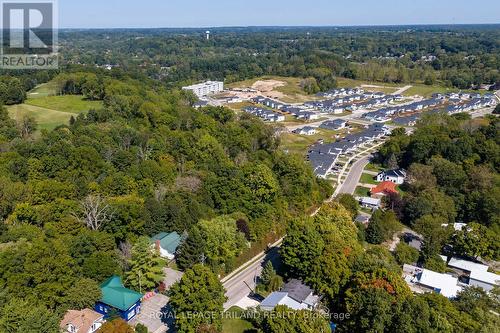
307,130
295,295
423,280
115,297
371,203
475,274
395,176
84,321
167,243
334,125
308,115
384,188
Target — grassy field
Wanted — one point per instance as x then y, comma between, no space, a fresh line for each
233,324
66,103
46,118
43,90
299,144
374,167
367,179
49,110
362,191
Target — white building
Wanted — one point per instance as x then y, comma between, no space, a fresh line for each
206,88
395,176
423,280
477,273
307,130
371,203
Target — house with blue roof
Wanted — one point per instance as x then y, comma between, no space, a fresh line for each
167,244
115,297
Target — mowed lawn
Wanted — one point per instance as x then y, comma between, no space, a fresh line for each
234,323
66,103
43,90
46,118
52,111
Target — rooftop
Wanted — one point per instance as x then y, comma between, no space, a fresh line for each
274,299
168,241
297,290
487,277
445,284
466,265
116,295
81,320
385,188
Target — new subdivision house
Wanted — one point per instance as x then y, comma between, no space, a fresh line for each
116,298
306,130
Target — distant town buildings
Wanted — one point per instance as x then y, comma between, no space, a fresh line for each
206,88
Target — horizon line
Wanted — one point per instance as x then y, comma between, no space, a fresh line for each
283,26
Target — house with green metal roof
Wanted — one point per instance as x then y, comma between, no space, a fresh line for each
115,297
167,243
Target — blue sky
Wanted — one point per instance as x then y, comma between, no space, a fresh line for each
215,13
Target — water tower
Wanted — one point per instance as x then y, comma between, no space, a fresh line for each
208,34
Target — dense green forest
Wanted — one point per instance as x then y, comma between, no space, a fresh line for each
455,56
149,163
79,203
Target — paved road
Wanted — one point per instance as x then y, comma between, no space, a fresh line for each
354,175
244,282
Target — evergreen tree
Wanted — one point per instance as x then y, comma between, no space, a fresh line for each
197,300
192,250
267,273
145,266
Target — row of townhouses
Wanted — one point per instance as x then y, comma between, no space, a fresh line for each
384,114
323,157
265,114
332,93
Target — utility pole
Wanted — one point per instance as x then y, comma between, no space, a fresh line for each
140,285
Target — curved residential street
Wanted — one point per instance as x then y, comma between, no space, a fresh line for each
352,180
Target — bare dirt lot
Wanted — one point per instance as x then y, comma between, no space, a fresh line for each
267,85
